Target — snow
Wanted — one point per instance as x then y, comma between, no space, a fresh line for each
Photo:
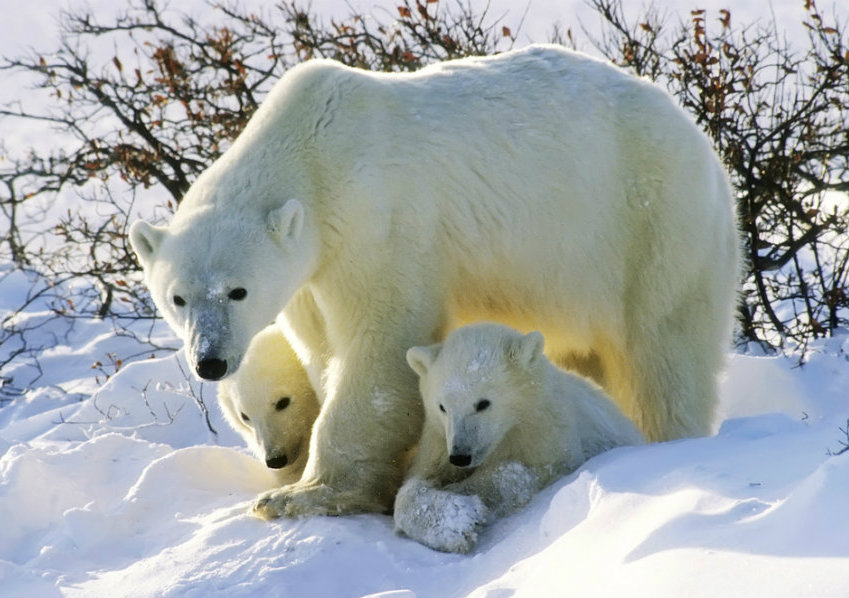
129,493
113,483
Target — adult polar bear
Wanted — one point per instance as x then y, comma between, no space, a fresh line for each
373,212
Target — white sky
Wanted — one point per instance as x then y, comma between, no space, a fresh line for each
33,23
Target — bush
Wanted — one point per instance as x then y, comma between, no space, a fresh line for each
778,120
151,98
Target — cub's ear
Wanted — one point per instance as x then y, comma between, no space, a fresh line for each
145,239
421,358
224,397
227,402
285,223
526,349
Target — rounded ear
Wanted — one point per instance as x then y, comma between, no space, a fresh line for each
286,223
225,401
224,397
421,358
526,349
145,239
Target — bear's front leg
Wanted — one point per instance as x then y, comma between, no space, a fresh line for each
439,519
370,416
303,499
504,487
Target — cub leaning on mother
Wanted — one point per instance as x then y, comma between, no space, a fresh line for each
501,423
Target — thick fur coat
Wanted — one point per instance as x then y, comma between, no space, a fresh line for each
270,402
373,212
501,423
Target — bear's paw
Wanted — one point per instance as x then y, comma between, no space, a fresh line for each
441,520
304,499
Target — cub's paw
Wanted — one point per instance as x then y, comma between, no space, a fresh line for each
462,519
440,519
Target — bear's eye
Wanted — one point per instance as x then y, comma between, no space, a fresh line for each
245,417
282,403
441,408
237,294
178,301
481,405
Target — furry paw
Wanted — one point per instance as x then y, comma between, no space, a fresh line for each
439,519
308,499
270,505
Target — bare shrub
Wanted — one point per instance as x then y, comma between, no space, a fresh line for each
146,101
778,119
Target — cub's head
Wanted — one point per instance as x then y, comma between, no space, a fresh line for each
472,385
218,278
270,402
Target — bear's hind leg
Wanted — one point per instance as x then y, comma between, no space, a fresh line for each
670,375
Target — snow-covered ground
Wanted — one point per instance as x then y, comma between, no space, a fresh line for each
120,486
129,493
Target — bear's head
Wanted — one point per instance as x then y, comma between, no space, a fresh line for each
473,385
270,402
218,277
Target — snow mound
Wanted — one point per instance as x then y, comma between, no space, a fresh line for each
142,490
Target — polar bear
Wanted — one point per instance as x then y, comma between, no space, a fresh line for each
270,402
501,423
371,212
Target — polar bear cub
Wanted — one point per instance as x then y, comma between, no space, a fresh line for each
271,404
501,423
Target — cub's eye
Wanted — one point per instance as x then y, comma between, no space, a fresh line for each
237,294
441,408
178,301
282,403
245,417
482,404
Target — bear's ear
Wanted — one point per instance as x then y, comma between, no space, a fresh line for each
286,223
421,358
224,398
526,349
146,239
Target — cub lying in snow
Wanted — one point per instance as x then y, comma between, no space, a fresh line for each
270,402
501,423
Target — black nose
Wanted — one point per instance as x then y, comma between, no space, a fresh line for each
212,369
460,460
277,462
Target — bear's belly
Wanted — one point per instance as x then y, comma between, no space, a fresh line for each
565,331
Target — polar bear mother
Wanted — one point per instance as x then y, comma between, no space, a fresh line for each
372,212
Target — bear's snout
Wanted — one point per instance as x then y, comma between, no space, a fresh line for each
460,460
211,369
277,462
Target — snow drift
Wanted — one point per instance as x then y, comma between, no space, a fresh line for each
131,493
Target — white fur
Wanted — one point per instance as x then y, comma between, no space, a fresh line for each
270,402
372,212
491,395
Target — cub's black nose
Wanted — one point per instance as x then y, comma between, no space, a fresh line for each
460,460
212,369
276,462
